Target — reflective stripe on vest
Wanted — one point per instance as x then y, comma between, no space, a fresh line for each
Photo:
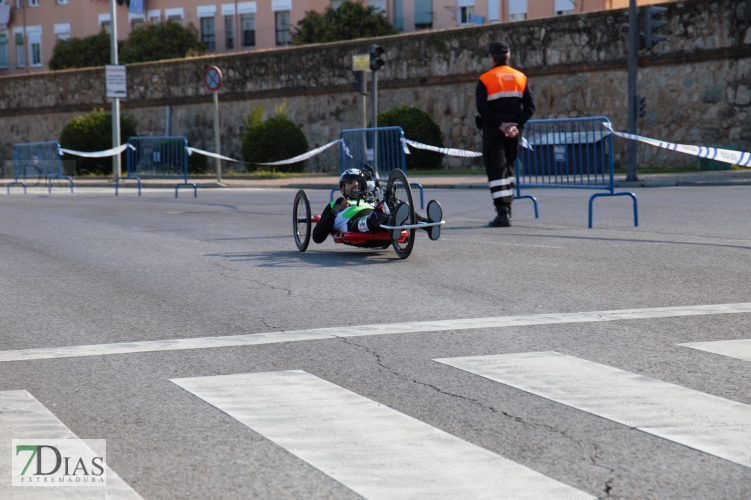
353,209
504,81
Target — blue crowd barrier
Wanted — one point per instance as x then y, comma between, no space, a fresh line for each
568,153
39,160
157,157
357,148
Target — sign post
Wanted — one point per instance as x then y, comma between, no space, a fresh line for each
116,166
213,81
361,64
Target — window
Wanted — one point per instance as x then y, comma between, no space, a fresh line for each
20,57
62,2
3,51
33,3
229,32
423,14
176,14
155,16
517,10
62,31
35,50
563,7
335,4
494,11
380,5
207,32
467,14
104,22
249,29
283,36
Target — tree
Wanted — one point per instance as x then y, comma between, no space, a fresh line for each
81,52
161,41
93,132
350,21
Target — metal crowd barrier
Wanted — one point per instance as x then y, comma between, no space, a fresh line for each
357,148
568,153
39,160
158,157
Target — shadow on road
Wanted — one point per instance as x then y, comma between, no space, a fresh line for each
323,258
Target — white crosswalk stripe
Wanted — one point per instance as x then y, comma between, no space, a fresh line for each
738,349
370,448
23,417
366,330
708,423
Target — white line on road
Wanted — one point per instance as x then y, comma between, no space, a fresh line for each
365,330
23,417
372,449
738,349
701,421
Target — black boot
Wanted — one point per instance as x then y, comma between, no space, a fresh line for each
502,219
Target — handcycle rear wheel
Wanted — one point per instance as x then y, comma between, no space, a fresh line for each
398,190
301,220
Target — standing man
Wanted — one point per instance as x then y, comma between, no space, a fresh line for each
505,103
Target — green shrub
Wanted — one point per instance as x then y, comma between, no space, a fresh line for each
418,126
161,41
349,21
276,139
93,132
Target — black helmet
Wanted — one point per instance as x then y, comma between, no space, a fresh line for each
352,174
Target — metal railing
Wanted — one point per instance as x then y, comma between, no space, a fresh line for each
157,157
38,160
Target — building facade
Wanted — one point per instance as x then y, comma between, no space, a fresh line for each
29,29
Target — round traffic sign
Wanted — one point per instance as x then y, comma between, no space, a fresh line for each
213,78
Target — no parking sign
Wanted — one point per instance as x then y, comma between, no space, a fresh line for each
213,78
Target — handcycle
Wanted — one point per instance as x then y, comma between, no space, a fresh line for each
394,201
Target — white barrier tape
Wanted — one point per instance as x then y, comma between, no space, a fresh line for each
304,156
346,149
206,153
97,154
724,155
447,151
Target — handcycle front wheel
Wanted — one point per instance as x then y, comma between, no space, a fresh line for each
301,220
398,190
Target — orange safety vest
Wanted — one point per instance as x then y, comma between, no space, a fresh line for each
504,81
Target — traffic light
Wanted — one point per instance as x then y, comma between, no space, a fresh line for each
650,25
641,105
358,83
376,63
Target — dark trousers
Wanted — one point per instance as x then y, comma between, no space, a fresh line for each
499,153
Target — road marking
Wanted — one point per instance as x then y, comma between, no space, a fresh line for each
370,448
738,349
365,330
23,417
707,423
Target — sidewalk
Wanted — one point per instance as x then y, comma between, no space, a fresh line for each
479,181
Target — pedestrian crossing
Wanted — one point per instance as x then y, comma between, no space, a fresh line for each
379,452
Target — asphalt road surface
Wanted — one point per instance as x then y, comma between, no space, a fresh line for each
218,362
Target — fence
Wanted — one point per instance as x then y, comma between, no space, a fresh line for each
358,147
158,157
569,153
38,160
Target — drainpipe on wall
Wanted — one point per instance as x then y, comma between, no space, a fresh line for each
25,47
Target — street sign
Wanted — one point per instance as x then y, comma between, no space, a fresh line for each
361,62
117,86
213,78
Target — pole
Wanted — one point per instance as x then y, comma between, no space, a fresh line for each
364,97
116,167
217,145
374,104
633,37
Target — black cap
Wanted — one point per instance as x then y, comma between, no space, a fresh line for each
498,48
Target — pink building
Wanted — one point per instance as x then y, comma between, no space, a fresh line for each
29,29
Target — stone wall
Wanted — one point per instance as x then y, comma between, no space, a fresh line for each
697,83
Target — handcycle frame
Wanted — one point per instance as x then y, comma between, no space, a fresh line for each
400,236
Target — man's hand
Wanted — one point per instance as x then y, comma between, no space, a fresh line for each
509,130
341,204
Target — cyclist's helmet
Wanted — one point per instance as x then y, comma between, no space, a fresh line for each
352,174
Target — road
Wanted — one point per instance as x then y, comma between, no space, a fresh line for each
225,364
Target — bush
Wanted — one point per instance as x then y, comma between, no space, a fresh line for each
418,126
275,139
81,52
93,132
